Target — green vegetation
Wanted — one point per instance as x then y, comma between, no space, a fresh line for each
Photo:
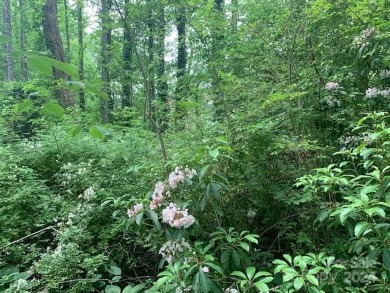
195,146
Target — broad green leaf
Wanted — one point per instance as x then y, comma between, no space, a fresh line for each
44,65
24,105
386,259
239,274
345,213
251,238
214,153
244,246
154,217
114,270
250,272
298,283
54,109
288,258
360,228
262,287
76,130
312,279
376,211
112,289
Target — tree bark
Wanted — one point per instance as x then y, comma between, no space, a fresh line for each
128,50
80,34
162,85
67,50
151,66
106,104
54,44
22,40
9,71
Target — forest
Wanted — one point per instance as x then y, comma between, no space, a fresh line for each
222,146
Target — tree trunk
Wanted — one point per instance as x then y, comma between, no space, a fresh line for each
54,44
67,49
234,20
128,49
106,104
181,59
80,33
162,85
151,86
22,40
181,38
9,71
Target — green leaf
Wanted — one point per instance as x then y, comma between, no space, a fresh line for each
251,238
376,211
250,272
244,246
360,228
288,258
76,130
214,153
262,287
45,64
99,132
24,105
154,217
54,109
112,289
135,289
298,283
241,275
386,259
312,279
114,270
345,213
163,280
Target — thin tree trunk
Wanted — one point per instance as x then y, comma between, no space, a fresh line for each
151,87
9,71
106,104
128,49
67,49
162,85
181,58
22,40
54,44
80,33
234,20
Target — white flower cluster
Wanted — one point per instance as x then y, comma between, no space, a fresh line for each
373,92
88,193
178,176
362,39
135,210
228,290
176,217
384,74
332,86
171,250
158,195
348,139
331,101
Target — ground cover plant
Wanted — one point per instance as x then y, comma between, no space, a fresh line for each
195,146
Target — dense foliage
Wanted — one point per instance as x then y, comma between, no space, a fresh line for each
250,154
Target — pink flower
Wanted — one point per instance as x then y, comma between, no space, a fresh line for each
135,210
332,86
177,218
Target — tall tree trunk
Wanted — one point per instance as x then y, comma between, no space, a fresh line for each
54,44
106,104
234,20
162,85
22,40
181,38
181,58
9,71
80,33
128,49
67,49
151,67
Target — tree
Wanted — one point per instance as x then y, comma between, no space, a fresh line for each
106,104
54,44
22,40
80,33
128,50
9,70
